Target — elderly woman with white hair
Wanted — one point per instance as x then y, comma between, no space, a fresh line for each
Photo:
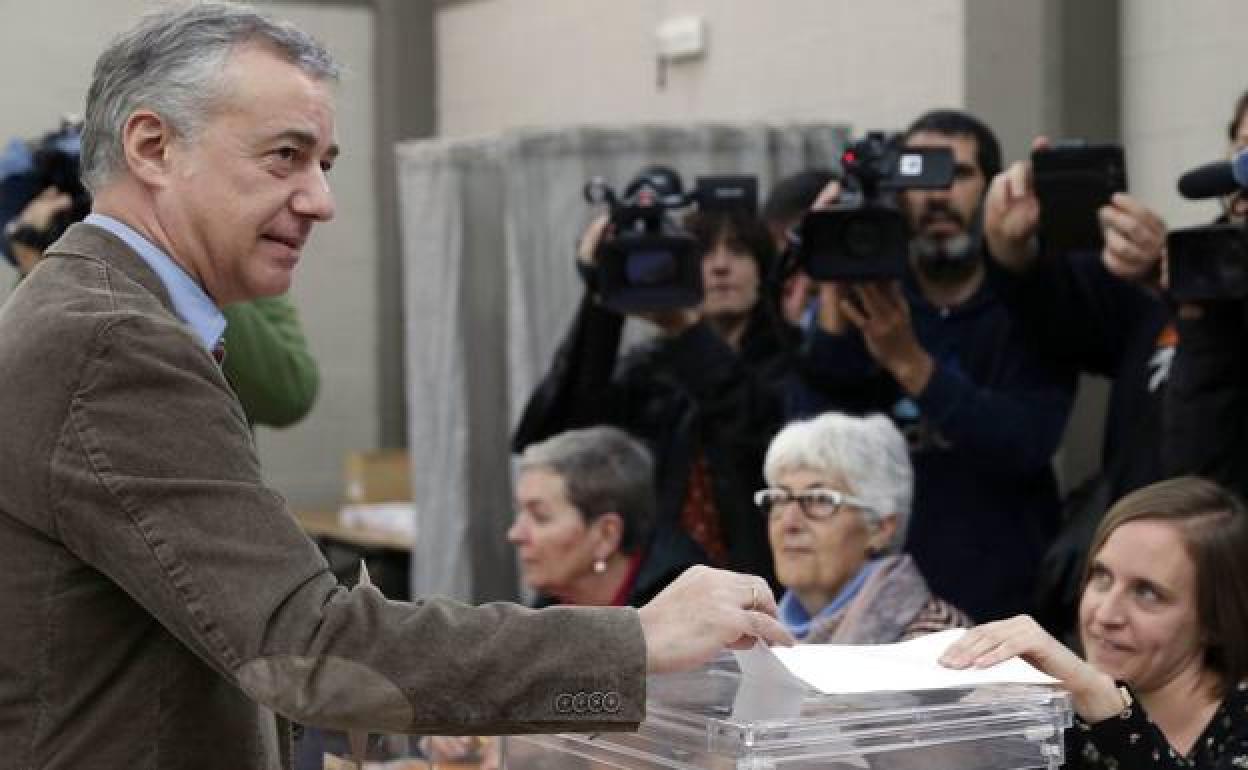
837,505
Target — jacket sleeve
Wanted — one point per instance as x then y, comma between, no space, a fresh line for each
1206,409
835,371
158,487
575,392
268,363
1015,424
1072,309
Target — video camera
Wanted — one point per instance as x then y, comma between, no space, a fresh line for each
1210,263
864,236
647,262
27,168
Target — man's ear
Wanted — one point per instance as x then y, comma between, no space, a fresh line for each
146,139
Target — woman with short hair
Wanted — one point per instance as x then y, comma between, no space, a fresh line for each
584,518
837,506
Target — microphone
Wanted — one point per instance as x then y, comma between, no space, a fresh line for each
1213,180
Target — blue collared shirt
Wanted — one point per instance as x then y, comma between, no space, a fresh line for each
193,306
798,621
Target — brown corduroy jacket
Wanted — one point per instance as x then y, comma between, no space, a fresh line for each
158,603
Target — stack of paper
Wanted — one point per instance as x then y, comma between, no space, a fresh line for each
848,669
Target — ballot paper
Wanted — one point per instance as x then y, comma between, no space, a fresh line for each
846,669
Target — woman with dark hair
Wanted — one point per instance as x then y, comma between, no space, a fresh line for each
703,394
1163,621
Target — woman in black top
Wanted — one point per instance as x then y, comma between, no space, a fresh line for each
1163,622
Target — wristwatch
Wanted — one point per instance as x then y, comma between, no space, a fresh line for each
1127,701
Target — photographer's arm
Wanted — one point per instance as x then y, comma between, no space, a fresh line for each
36,218
1012,425
575,392
1070,306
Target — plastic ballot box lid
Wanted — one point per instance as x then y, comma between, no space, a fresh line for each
712,718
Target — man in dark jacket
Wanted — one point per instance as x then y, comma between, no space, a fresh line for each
936,351
1095,313
702,394
1207,403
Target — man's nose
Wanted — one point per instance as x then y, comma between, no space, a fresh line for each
314,199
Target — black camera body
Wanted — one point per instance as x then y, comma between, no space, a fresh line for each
647,262
1073,180
29,168
865,236
1208,263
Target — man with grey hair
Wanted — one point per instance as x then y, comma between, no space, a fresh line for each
837,505
160,602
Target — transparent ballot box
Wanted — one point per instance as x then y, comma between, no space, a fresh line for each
711,719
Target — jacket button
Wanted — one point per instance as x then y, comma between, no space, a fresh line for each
563,703
595,703
611,702
580,702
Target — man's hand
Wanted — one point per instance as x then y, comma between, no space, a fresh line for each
38,214
587,247
1135,241
882,314
1012,215
704,611
1095,695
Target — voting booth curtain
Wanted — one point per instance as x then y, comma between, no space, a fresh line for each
489,227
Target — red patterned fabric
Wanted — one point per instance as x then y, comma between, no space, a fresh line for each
699,516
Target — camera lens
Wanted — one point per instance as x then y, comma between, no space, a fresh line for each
650,267
863,238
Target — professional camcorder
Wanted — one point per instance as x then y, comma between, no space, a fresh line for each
1210,262
864,236
27,168
647,262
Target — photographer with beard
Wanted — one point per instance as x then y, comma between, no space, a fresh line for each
981,413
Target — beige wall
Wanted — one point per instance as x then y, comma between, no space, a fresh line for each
1182,70
507,63
47,49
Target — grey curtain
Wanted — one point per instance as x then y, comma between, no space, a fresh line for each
489,228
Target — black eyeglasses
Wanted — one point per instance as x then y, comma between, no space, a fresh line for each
815,504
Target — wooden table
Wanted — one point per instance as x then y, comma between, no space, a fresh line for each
387,554
326,524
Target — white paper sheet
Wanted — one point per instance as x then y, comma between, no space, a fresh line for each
905,666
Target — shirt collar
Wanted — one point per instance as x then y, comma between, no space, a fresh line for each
799,622
190,302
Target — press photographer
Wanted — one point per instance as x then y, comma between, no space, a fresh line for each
1206,409
40,193
925,340
703,393
1091,310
